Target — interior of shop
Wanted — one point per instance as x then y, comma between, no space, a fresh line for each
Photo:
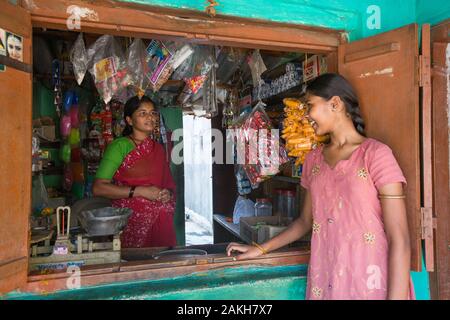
80,84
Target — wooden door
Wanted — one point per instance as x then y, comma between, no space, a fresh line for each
15,146
384,71
440,80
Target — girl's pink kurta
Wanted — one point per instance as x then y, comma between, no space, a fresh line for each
349,248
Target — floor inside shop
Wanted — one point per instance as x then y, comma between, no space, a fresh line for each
205,205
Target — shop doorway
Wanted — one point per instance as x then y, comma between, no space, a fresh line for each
197,180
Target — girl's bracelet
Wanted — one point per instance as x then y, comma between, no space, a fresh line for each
264,251
386,196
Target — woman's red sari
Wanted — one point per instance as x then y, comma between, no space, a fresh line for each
151,224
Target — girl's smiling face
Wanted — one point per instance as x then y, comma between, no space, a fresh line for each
320,114
144,118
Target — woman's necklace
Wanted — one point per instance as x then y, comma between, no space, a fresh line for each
136,142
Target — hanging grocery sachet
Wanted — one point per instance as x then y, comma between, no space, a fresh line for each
137,66
159,62
108,67
79,59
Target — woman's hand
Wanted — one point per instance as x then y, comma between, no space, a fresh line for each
248,251
165,195
148,192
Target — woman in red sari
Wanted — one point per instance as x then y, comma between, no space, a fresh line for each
135,174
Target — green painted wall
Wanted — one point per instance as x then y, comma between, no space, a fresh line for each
349,15
433,11
173,119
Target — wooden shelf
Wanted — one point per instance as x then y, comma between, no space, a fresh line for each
49,75
50,171
49,144
294,92
287,179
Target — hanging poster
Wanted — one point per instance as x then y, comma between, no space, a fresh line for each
14,46
2,48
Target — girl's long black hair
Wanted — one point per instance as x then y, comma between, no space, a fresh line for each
329,85
130,107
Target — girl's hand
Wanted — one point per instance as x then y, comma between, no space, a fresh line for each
150,193
249,252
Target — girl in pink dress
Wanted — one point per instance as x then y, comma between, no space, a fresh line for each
354,206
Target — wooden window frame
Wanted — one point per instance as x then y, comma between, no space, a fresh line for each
172,24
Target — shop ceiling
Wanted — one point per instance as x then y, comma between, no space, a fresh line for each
137,20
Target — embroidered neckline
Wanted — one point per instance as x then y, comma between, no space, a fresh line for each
361,146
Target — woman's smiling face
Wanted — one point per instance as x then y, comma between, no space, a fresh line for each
320,114
144,118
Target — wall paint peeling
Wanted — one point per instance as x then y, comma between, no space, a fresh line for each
388,71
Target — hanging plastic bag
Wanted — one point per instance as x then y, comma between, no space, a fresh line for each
108,67
257,67
68,178
79,59
160,63
201,63
39,194
65,153
65,125
263,154
74,137
243,208
182,55
210,93
137,66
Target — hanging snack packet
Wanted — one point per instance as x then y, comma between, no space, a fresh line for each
257,67
201,64
263,152
137,66
108,68
79,59
159,62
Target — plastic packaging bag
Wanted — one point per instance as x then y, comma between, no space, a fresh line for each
201,64
243,184
39,193
79,59
263,152
182,55
243,208
108,67
160,63
137,66
257,67
210,91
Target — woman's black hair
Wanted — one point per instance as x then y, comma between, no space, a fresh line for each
130,107
329,85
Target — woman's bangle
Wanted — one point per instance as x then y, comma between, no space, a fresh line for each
130,194
264,251
386,196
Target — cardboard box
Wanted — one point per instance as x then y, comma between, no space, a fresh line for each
47,132
261,229
313,67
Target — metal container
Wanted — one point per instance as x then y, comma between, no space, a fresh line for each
104,221
179,253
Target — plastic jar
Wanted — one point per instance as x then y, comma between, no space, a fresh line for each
279,204
289,196
263,207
